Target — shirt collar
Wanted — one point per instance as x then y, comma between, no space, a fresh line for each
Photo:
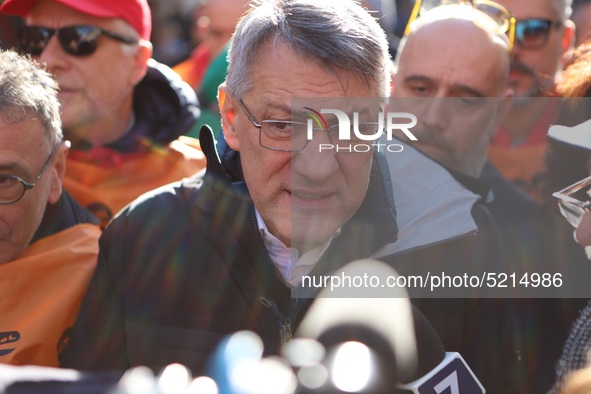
287,260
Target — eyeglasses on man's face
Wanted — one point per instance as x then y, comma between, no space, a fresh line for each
499,14
533,33
574,200
13,188
292,136
77,40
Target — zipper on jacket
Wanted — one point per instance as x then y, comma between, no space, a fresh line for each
284,322
255,224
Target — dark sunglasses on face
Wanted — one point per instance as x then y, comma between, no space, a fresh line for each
533,33
78,40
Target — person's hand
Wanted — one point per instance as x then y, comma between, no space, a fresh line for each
578,382
583,231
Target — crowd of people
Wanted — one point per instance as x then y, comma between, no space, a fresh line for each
147,212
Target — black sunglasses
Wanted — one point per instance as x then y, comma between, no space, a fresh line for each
78,40
533,33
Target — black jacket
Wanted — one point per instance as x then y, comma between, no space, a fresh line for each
533,244
185,265
466,319
65,213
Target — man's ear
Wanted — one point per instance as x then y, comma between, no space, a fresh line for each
140,61
57,172
228,112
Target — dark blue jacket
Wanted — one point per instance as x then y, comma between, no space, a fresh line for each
185,265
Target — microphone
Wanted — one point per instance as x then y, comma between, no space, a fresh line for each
378,317
238,367
403,344
438,370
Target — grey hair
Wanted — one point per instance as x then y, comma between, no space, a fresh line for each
29,92
338,35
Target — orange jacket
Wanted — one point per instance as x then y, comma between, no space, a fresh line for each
41,292
104,180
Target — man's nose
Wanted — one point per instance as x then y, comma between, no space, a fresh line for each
435,112
53,56
318,160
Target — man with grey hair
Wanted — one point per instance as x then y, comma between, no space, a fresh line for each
46,239
185,265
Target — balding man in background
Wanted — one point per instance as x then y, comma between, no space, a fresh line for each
452,73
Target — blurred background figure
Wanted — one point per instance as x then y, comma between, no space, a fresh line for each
386,13
170,44
122,111
543,35
212,27
8,26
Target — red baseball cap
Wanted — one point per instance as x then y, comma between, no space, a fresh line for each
135,12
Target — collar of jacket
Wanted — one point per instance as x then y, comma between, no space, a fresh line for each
165,108
475,185
65,213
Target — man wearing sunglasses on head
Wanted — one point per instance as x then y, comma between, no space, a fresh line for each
48,242
543,34
122,111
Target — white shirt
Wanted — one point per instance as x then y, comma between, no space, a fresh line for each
286,259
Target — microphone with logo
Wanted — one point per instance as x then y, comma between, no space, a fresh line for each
375,341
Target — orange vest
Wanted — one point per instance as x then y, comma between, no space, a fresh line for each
41,293
104,180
